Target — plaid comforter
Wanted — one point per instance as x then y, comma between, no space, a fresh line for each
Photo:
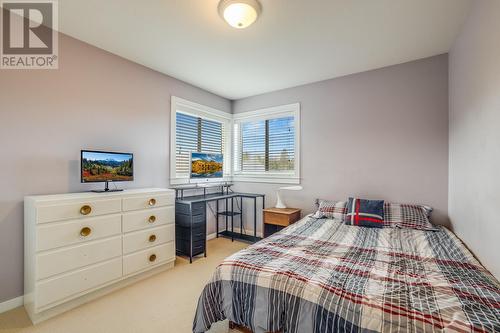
325,276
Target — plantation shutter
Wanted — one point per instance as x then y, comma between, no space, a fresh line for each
211,136
281,147
186,136
265,145
195,134
253,146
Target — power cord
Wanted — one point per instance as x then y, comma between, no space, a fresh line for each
241,216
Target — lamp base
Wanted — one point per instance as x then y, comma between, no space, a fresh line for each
279,202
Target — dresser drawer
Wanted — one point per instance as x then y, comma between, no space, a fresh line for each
141,260
71,284
53,235
66,211
147,218
140,240
149,201
66,259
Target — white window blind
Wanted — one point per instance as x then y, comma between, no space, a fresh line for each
281,144
266,143
253,146
198,135
196,128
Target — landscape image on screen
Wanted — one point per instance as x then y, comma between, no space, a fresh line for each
100,167
205,165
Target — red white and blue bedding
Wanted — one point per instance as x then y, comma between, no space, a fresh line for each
320,275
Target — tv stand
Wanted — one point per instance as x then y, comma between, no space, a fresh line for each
107,189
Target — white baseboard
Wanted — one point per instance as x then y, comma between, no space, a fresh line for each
11,304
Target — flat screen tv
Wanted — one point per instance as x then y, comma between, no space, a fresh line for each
105,167
206,165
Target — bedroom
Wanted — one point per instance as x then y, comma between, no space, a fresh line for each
385,100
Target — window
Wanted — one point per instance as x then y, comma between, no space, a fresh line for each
266,145
266,142
200,129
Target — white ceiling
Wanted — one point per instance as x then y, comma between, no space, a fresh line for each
292,43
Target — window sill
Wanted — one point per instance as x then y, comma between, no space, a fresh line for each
273,179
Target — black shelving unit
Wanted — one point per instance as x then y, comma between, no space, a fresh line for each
239,236
229,215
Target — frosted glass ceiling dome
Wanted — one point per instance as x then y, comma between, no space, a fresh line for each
239,13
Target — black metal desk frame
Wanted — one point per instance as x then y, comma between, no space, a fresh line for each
224,195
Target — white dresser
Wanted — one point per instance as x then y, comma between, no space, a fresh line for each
79,246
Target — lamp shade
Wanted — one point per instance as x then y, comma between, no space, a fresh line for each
279,200
291,188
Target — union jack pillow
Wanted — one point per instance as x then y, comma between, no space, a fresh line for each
407,216
331,209
365,213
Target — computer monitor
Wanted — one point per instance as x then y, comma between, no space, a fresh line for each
105,167
206,166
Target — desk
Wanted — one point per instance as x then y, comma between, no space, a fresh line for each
190,220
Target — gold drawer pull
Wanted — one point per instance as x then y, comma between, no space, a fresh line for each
85,231
152,219
152,202
85,210
152,238
152,257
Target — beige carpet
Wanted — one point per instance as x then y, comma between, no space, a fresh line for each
163,303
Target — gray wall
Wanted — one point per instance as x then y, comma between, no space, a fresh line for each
378,134
95,100
475,133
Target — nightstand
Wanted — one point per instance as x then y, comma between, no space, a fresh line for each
276,219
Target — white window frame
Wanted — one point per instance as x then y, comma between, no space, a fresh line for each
198,110
265,114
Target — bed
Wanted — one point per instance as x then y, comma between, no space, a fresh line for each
320,275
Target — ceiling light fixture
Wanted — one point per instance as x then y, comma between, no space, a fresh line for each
239,13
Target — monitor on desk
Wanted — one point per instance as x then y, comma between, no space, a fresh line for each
206,167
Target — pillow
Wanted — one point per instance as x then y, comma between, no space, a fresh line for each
365,213
331,209
407,216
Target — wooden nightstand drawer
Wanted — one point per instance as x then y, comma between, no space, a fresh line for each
276,219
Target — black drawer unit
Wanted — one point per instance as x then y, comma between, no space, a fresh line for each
190,229
198,247
186,233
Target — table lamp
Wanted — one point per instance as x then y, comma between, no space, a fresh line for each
279,201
